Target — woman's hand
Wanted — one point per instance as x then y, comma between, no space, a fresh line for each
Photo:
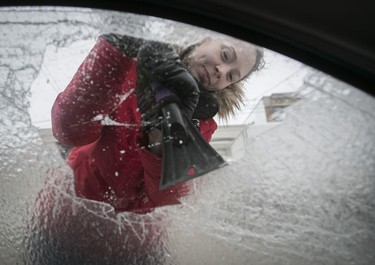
159,63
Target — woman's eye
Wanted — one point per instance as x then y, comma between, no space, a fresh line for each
230,77
225,55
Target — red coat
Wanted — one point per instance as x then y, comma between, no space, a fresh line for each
98,114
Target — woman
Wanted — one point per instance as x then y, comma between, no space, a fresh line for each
109,113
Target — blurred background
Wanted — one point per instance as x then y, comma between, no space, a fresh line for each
299,188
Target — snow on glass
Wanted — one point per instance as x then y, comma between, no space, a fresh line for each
302,194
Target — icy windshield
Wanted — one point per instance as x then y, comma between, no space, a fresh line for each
298,187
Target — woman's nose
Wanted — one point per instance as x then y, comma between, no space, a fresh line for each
220,70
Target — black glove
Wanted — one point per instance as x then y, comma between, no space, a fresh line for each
158,65
207,106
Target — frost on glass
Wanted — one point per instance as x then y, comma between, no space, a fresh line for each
303,193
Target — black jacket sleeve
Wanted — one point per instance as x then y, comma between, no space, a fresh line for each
128,45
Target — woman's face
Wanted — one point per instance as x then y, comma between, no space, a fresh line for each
218,63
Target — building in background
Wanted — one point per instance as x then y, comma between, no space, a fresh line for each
275,104
230,141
